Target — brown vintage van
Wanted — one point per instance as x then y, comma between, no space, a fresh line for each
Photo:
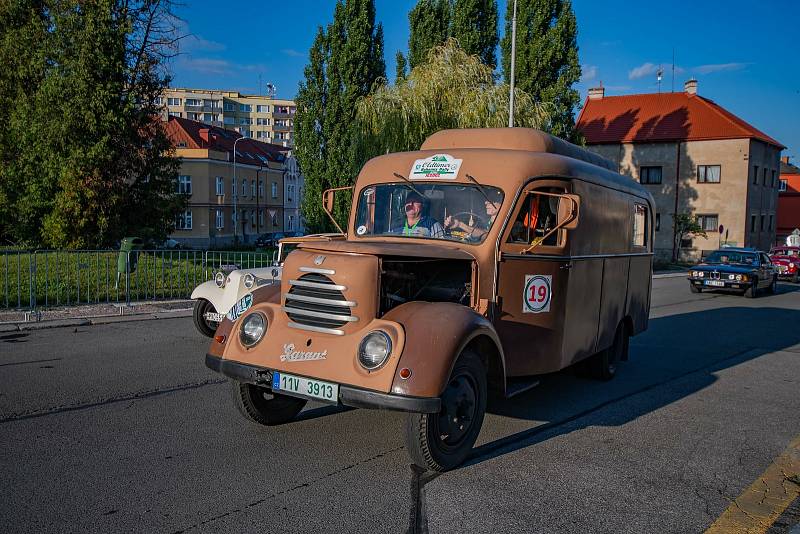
470,267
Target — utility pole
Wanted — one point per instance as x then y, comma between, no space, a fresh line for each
513,61
236,194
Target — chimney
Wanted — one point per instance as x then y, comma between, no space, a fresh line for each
690,87
596,93
204,134
785,159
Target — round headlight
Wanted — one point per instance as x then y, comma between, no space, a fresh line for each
374,350
252,329
731,277
219,279
791,265
739,277
249,280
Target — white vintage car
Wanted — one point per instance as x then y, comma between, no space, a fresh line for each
214,298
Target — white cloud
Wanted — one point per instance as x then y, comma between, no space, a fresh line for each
292,52
719,67
589,73
204,65
643,70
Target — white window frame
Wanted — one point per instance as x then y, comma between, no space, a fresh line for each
244,187
274,189
184,221
173,101
246,108
184,185
220,219
220,186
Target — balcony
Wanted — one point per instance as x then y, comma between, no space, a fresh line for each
279,128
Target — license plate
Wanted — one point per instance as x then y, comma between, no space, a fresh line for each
305,386
718,283
216,317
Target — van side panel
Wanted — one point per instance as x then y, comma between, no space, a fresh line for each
614,299
582,310
638,305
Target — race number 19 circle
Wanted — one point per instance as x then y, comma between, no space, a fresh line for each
538,291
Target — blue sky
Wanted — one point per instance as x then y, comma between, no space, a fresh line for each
745,55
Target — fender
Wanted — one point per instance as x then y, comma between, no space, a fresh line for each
270,293
435,335
210,292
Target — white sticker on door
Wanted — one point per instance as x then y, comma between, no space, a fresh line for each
537,294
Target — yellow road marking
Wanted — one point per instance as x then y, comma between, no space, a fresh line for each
755,510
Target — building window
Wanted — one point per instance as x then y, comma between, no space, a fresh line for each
220,219
783,184
708,174
709,223
193,116
275,219
173,101
755,174
261,188
274,190
158,100
291,222
175,114
233,219
192,102
263,122
229,120
253,189
639,225
244,188
247,108
764,176
650,175
773,178
262,109
658,222
184,221
771,221
752,223
213,104
220,186
230,106
184,185
245,120
261,217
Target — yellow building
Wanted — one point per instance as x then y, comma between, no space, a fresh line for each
264,118
222,209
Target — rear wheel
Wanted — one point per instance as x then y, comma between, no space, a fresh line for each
442,441
605,362
260,405
204,326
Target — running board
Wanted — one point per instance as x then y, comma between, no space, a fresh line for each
515,386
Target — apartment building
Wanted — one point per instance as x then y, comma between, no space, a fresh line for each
695,157
264,118
227,202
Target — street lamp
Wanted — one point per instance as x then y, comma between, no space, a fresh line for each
513,61
236,194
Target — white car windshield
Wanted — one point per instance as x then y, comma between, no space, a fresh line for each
455,212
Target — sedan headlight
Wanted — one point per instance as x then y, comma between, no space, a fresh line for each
791,265
219,279
745,278
252,330
699,274
739,277
249,280
731,277
374,350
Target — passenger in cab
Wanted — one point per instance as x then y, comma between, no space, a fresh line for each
416,224
476,227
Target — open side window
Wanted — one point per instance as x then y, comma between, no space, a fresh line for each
641,225
542,219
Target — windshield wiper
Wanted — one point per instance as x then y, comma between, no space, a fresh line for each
480,188
408,183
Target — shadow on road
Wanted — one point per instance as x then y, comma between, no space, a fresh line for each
698,344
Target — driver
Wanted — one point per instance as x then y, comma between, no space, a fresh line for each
417,224
477,230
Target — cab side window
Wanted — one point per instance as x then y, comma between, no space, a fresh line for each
640,222
537,216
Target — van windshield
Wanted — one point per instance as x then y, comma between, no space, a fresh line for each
454,212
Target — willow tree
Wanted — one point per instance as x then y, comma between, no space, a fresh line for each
452,89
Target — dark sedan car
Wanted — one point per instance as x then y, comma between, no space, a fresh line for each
269,240
743,269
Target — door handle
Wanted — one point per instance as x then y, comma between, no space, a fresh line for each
566,266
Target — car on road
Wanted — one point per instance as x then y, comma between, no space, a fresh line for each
269,240
469,268
746,270
787,262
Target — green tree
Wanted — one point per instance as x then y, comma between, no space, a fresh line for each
547,64
429,23
684,225
401,66
84,158
451,90
351,64
475,26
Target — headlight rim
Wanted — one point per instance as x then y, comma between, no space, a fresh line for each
249,280
263,332
389,347
219,279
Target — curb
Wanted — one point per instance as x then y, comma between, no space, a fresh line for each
681,274
93,321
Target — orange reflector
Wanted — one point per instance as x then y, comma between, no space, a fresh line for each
219,339
405,373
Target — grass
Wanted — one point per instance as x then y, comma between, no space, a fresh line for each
31,279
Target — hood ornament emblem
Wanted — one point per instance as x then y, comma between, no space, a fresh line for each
318,260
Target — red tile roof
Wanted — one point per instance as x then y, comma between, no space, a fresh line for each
185,133
661,117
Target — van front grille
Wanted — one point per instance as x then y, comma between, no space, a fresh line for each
315,302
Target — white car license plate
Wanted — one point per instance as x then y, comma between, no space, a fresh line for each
216,317
718,283
305,386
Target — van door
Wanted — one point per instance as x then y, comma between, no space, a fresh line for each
532,282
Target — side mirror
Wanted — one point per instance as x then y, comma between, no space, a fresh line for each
568,210
328,200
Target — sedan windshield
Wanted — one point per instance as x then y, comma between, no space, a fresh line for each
739,258
454,212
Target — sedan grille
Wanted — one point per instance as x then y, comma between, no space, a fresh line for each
314,302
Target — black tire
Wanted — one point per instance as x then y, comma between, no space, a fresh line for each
752,291
695,289
773,286
260,405
207,328
795,278
605,363
463,408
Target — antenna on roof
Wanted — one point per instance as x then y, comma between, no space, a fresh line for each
271,90
659,75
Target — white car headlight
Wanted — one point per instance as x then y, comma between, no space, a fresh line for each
374,350
219,279
739,277
791,265
249,280
252,329
731,277
699,274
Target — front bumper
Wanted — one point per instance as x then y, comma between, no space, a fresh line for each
726,284
348,395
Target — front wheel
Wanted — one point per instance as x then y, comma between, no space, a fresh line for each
695,289
795,277
203,325
752,291
773,286
442,441
260,405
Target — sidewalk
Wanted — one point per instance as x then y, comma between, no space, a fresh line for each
93,314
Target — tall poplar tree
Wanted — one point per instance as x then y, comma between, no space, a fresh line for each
400,67
547,63
351,63
429,22
475,27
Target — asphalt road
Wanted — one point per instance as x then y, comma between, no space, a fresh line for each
121,428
